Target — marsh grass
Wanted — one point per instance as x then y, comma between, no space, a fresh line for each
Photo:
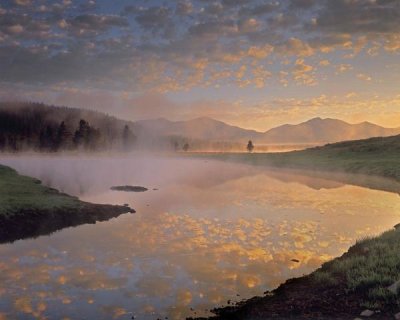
369,267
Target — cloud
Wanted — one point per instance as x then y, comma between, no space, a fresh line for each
324,63
184,7
192,44
22,2
343,67
302,73
94,23
296,47
354,17
363,76
302,4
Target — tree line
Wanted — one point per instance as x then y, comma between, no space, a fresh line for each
30,130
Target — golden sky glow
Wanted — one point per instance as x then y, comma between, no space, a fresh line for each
255,64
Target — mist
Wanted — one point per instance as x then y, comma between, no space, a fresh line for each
82,175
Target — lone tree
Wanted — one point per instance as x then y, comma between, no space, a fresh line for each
250,146
185,147
128,138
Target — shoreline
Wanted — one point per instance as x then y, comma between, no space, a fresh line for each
32,223
365,279
343,288
28,209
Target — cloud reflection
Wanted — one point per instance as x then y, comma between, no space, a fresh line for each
197,245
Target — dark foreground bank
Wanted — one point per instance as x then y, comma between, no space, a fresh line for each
362,281
29,209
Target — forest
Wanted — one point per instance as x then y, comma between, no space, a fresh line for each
36,127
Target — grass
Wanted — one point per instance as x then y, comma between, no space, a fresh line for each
361,277
28,209
19,192
369,268
339,289
375,156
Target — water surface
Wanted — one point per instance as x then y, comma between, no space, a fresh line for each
205,232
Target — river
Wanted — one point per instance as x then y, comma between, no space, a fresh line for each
204,233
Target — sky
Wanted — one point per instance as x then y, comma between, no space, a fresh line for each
255,64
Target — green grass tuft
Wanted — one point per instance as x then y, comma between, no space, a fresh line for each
369,268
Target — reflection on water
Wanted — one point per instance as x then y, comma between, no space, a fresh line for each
212,232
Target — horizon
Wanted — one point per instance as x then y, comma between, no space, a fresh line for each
241,158
252,64
210,118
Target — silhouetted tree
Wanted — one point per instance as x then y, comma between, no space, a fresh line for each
26,125
81,134
86,136
128,138
63,137
47,139
250,146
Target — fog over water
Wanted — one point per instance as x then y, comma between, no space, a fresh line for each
211,231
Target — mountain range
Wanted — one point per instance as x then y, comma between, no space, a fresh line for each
201,132
314,131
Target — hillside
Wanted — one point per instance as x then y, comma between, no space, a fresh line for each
374,156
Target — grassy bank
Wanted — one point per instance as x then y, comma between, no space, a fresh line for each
376,156
341,289
29,209
361,279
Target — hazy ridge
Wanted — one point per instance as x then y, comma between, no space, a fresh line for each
200,133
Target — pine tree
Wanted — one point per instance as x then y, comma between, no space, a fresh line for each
128,138
250,146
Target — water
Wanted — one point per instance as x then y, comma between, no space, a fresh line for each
211,232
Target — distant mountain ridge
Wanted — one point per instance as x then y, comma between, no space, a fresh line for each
316,130
201,133
203,128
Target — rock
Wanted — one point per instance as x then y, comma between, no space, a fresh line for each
397,316
295,260
394,288
397,226
367,313
129,188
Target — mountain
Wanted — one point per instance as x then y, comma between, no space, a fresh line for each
319,130
37,126
203,128
316,131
